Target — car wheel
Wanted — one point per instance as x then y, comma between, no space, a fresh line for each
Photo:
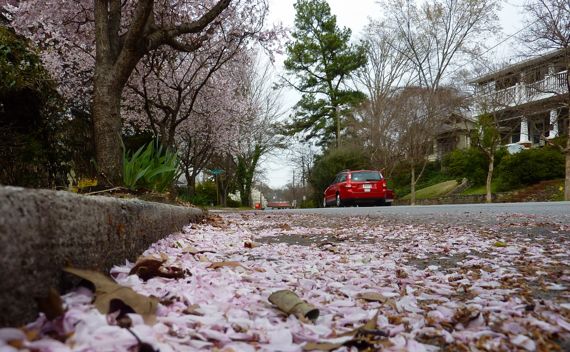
338,201
388,204
324,202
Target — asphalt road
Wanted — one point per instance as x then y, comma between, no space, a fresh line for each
471,214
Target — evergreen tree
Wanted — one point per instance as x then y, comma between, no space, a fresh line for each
320,60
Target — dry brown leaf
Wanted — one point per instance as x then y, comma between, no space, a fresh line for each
193,310
148,267
194,250
285,227
401,274
102,283
288,302
145,267
107,290
51,305
31,335
217,265
250,244
321,346
17,344
371,296
216,221
364,338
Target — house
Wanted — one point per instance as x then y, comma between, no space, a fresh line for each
454,133
529,98
256,197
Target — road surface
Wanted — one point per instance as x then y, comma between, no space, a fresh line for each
458,214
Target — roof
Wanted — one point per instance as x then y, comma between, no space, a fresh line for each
520,65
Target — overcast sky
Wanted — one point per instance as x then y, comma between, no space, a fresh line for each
355,14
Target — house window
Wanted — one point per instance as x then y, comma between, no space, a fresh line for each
516,136
507,81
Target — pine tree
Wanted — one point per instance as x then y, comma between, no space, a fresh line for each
321,60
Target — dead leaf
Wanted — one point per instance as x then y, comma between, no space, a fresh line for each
51,305
194,250
285,227
107,290
365,338
32,334
368,336
123,319
193,310
500,244
372,296
148,267
401,274
217,265
465,315
216,221
321,346
250,244
17,344
288,302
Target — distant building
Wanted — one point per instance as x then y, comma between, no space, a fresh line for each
255,198
454,133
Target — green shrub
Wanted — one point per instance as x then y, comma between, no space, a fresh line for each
466,163
204,195
529,166
309,203
150,167
34,146
471,164
233,203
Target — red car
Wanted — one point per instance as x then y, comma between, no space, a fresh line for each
358,187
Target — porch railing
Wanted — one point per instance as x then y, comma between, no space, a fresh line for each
522,93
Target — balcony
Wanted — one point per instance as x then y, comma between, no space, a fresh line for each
523,93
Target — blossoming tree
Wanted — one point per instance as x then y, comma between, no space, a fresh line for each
92,48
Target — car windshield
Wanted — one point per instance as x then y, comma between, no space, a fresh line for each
366,176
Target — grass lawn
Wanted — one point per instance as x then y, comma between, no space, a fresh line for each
478,190
435,191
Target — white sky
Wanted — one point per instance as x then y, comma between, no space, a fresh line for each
355,14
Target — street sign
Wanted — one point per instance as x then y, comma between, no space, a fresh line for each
215,172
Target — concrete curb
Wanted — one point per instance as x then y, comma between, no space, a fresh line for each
41,231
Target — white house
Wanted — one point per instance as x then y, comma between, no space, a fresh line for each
530,98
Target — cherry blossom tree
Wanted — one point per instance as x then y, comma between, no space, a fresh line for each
258,134
213,126
92,47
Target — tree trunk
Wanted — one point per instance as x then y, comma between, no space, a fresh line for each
190,183
489,196
223,195
567,177
413,187
337,117
246,196
107,128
